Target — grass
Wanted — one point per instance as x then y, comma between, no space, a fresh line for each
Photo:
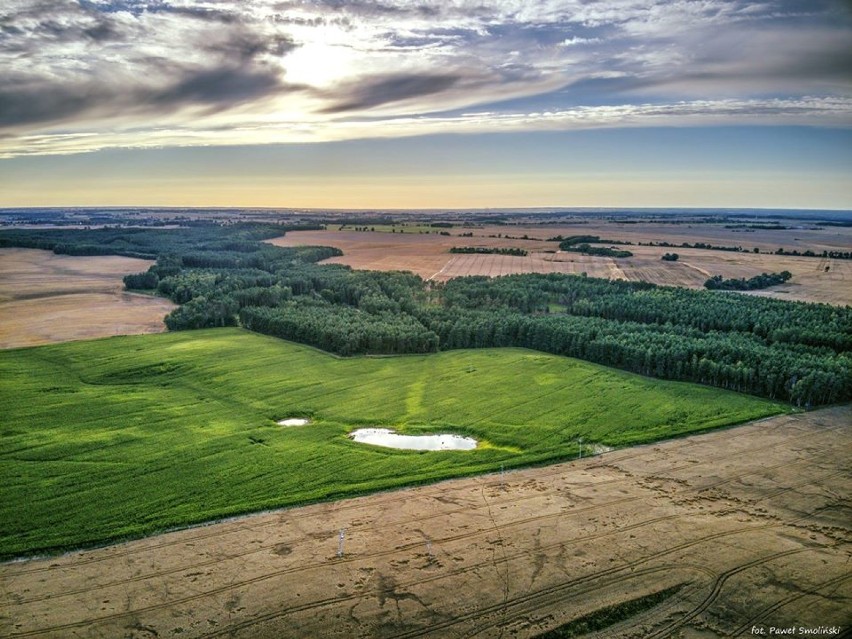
117,438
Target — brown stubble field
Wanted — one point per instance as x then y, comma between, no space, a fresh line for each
752,524
428,255
48,298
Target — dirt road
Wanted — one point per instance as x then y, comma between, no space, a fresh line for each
753,523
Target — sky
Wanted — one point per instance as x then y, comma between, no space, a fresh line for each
361,104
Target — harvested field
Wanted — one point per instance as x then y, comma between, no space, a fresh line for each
47,298
496,265
428,256
752,524
425,254
803,236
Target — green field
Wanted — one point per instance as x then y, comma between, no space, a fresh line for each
121,437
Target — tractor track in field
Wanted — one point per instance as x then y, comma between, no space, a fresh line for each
587,547
394,496
807,592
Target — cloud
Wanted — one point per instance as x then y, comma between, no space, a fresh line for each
374,92
144,72
574,41
77,63
686,113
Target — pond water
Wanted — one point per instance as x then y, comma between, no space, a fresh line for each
390,439
293,421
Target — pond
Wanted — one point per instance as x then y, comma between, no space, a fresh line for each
390,439
293,421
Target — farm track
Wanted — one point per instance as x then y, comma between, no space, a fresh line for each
716,590
491,529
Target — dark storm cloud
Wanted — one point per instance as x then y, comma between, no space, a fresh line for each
374,92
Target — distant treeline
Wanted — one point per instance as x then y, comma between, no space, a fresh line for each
489,250
764,280
224,275
837,255
696,245
573,240
762,227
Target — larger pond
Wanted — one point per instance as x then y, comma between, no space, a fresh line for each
390,439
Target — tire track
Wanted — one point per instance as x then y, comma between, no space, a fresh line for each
448,539
443,540
452,573
717,589
419,632
556,594
757,619
395,496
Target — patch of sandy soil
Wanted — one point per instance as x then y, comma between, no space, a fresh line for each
752,522
47,298
427,255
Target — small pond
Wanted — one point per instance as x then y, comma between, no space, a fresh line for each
293,421
390,439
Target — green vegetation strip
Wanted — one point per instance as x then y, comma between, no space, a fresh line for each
606,617
118,438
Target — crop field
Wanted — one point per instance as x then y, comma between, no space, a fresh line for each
427,255
126,436
702,537
48,298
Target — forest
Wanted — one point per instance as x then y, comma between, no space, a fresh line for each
224,275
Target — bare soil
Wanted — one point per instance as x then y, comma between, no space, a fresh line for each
752,522
427,255
48,298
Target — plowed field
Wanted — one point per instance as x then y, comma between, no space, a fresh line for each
47,298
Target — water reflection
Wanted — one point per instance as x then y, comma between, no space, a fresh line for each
293,421
390,439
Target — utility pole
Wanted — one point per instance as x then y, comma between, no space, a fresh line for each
340,539
580,450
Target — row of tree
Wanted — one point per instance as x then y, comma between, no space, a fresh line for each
485,250
764,280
